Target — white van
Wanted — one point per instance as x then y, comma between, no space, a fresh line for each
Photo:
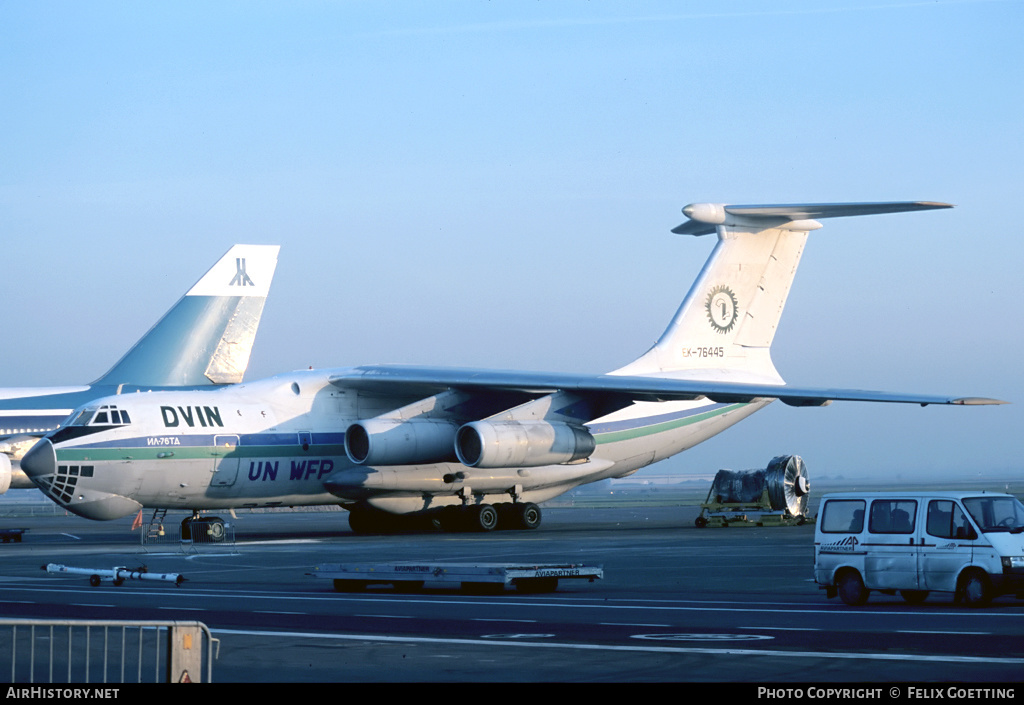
968,543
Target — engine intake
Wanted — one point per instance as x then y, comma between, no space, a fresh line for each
503,444
392,442
5,473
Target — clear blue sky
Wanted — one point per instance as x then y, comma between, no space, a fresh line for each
493,184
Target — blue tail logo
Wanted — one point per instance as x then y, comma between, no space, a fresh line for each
241,278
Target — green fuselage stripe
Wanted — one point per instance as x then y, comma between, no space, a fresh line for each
663,426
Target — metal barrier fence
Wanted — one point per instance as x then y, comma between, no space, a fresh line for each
103,651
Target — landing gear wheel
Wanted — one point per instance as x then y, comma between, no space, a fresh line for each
447,519
483,517
215,530
851,589
94,580
365,521
914,597
527,516
203,529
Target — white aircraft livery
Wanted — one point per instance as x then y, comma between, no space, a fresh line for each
462,448
204,340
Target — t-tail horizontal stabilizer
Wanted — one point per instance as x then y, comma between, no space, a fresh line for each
706,217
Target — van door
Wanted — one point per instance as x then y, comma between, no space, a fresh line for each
948,545
838,537
892,548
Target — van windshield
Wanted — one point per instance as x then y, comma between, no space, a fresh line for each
996,513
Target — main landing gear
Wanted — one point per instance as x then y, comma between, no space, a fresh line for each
488,517
474,517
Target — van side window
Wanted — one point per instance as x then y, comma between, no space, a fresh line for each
843,516
946,520
892,516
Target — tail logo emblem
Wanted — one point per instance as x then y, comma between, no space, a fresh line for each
241,278
722,309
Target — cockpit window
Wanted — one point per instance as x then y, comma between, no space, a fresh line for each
83,417
106,415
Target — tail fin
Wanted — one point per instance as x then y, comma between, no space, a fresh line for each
726,323
208,335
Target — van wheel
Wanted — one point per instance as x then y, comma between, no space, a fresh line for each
975,589
851,589
914,597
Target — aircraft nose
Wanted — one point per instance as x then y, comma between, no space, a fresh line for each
41,460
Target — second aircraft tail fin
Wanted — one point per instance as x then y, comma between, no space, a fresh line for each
206,338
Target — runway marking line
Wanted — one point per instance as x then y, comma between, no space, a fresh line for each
496,619
935,631
624,648
275,612
785,629
559,603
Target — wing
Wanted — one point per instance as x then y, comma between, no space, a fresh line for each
400,380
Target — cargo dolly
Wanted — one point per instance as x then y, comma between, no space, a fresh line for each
480,578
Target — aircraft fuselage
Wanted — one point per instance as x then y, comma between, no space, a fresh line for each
281,442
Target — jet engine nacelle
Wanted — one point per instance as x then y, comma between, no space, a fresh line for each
395,442
503,444
5,473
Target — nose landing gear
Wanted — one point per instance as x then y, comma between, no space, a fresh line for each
203,529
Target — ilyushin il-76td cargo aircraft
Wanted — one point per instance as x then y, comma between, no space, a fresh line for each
467,449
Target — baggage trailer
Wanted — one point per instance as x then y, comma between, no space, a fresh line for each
486,578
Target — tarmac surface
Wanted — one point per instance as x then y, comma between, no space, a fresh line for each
676,603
